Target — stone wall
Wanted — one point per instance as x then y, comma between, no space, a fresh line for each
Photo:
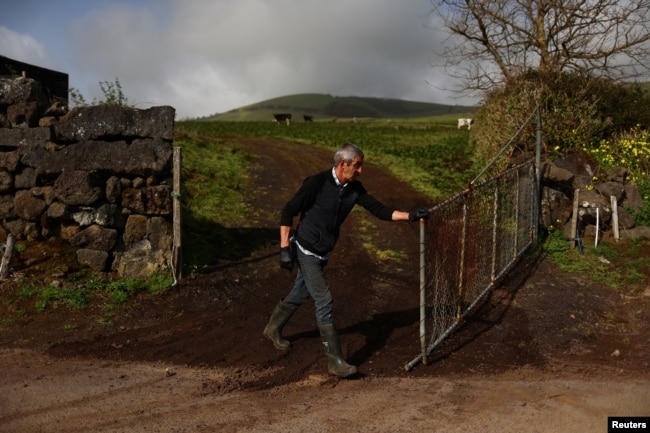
98,177
576,172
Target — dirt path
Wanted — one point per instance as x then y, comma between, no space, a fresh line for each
45,395
538,357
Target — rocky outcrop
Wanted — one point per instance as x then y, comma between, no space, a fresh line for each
576,171
99,177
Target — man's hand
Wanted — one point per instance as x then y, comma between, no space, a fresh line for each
418,214
286,261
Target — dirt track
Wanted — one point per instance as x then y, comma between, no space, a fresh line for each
537,357
109,396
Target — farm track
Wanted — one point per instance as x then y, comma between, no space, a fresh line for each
194,360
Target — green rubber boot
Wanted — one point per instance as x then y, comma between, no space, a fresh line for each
273,330
336,365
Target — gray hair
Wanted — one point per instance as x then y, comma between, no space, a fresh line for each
347,152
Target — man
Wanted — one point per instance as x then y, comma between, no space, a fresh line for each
323,201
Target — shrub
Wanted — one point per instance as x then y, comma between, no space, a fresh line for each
112,91
630,150
577,112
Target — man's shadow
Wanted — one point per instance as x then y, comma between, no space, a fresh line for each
377,331
485,315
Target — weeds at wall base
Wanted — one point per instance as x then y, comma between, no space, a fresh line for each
82,290
615,264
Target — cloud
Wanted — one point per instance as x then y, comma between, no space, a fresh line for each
209,56
21,47
369,48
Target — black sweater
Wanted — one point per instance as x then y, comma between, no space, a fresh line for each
323,206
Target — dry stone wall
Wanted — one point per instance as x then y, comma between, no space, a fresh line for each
576,172
98,177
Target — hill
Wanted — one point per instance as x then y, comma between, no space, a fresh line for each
328,107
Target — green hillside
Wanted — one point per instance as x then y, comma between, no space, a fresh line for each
328,107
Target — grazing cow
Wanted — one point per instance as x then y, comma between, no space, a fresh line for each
282,117
465,122
308,118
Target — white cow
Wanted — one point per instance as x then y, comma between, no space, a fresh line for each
465,122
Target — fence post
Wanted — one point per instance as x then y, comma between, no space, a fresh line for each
538,173
597,227
423,297
6,256
495,228
177,262
614,216
517,198
574,218
423,301
461,267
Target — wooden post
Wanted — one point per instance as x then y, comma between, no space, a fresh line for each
6,257
614,216
423,295
574,219
177,261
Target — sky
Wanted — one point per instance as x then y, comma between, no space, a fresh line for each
210,56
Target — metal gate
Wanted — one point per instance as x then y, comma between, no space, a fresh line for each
470,241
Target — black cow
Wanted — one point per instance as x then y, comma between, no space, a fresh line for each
282,117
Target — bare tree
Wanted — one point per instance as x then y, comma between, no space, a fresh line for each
494,41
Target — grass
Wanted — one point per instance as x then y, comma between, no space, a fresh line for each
214,174
367,230
81,289
213,196
51,296
429,153
617,266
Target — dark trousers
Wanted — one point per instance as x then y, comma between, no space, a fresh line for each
310,281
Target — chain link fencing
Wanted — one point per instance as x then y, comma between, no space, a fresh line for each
469,242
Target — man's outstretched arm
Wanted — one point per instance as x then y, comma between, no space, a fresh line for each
412,217
285,231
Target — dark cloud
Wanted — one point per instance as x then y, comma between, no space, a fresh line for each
208,56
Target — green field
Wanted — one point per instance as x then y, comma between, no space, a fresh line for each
431,154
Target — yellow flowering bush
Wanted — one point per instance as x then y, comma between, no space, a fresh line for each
632,151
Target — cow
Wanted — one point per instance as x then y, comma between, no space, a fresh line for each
308,118
282,117
465,122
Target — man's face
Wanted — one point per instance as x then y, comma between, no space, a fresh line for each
349,172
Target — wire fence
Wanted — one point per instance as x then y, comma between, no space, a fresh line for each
469,242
